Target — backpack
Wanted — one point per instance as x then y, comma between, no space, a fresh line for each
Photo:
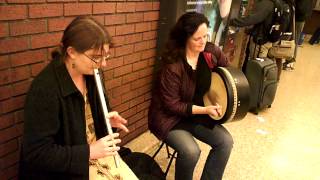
275,25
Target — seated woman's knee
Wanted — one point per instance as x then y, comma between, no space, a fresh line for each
192,153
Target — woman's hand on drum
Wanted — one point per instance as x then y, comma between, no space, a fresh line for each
117,121
214,110
104,146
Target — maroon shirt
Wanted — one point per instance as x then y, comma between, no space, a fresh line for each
175,87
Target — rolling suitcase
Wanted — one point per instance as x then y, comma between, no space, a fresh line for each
262,74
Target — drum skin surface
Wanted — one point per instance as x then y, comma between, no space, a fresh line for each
230,89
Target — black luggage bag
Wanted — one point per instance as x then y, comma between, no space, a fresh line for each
262,77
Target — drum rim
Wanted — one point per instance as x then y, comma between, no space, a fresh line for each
234,91
231,83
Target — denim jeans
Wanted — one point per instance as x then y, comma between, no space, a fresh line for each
181,138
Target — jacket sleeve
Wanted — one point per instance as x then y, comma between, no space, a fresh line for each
170,91
217,56
41,129
261,11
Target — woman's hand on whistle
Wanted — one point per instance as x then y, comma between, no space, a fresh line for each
117,121
104,146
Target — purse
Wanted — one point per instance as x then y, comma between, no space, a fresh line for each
283,49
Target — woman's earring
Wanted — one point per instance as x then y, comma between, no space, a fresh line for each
73,65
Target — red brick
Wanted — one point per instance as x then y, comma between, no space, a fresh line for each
6,121
28,27
148,53
114,63
130,77
61,0
99,18
77,9
4,31
135,118
111,30
13,44
141,46
142,27
122,107
132,38
25,1
140,65
114,19
12,104
156,6
5,77
135,17
144,89
8,147
19,116
101,8
143,106
10,159
113,83
45,40
5,92
13,12
146,71
10,173
125,7
152,61
144,6
121,90
141,122
125,29
36,68
131,58
118,41
141,82
20,127
114,101
128,113
151,16
59,24
28,57
4,62
136,101
149,35
123,70
21,88
153,43
123,50
45,10
20,73
8,133
154,25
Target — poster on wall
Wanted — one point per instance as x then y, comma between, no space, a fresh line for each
217,11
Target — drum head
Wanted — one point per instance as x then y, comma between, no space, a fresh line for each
217,95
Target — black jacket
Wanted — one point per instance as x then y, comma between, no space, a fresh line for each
54,141
303,9
262,10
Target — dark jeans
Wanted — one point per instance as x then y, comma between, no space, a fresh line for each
181,139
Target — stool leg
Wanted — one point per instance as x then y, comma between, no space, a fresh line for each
155,154
170,162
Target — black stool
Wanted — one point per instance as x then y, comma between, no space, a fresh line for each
170,155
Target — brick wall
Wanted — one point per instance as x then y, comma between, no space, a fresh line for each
29,30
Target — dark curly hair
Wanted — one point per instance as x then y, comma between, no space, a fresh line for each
185,27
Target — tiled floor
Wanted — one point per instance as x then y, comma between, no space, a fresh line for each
283,142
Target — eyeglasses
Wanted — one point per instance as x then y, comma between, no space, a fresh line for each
98,59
